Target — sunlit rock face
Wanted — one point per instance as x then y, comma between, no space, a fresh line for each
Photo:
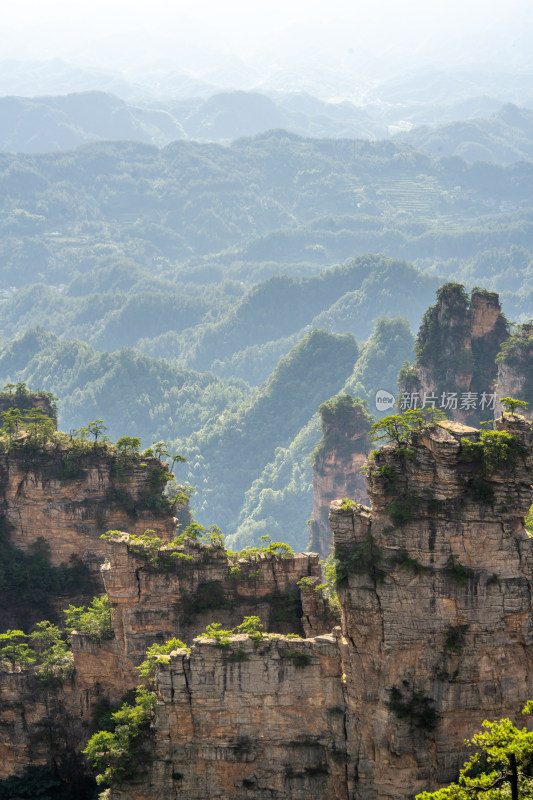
515,370
270,724
436,612
435,636
338,464
456,351
71,508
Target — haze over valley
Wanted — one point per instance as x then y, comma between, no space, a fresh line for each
233,238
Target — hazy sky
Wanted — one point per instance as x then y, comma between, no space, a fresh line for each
209,38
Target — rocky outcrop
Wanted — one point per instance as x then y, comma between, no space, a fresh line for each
436,635
515,370
71,502
154,603
436,614
149,606
337,464
262,720
38,723
24,400
456,349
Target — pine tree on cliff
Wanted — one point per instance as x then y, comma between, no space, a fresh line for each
502,767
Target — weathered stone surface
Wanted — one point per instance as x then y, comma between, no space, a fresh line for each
318,617
456,347
515,370
101,671
439,606
38,725
338,463
334,478
71,514
436,605
152,605
485,313
42,724
146,610
260,727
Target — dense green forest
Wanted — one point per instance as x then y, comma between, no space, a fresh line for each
213,296
240,210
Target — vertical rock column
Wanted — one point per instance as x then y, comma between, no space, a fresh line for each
436,596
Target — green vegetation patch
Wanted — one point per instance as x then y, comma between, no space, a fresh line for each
362,559
117,754
499,768
298,658
208,595
44,648
404,509
156,656
158,555
414,706
250,626
94,620
345,425
493,452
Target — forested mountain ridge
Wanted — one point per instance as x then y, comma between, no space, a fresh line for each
45,124
480,127
250,207
131,391
215,260
502,138
219,326
229,453
61,122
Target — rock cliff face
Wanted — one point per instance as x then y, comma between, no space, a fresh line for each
42,496
436,635
150,605
268,724
46,724
437,625
456,348
68,504
153,604
515,371
337,464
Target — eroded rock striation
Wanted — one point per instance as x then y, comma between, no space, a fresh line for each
436,635
515,369
155,602
337,464
262,720
70,501
436,624
456,349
